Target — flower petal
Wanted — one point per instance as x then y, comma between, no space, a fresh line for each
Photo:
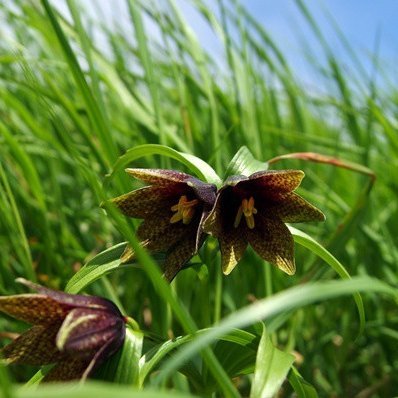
147,201
70,301
171,236
293,208
233,244
272,240
157,225
74,367
34,347
70,368
159,177
205,192
281,181
179,255
33,308
128,255
85,330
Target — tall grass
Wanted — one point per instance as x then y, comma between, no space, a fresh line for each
76,93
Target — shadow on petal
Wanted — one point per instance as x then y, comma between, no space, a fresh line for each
293,208
179,255
273,242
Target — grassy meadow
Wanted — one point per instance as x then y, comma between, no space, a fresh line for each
81,99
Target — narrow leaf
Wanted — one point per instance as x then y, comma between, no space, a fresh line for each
127,371
302,388
243,163
153,357
287,300
305,240
100,265
272,366
93,389
5,383
197,166
123,367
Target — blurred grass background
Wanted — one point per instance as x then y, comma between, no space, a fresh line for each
75,94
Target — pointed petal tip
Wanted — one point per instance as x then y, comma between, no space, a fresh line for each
132,171
228,267
128,255
287,266
227,271
27,283
21,280
318,215
290,272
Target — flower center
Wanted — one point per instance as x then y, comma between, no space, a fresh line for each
248,210
185,209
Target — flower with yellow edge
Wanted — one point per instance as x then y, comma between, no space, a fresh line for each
76,333
173,208
254,210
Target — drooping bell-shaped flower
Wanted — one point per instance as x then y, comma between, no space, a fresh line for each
76,333
254,210
173,208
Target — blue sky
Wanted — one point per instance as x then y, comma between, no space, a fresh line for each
358,19
361,21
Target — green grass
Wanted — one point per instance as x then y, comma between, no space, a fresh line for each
75,110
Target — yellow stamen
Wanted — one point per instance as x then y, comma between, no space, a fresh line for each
184,209
248,210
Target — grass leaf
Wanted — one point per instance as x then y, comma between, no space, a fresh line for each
272,366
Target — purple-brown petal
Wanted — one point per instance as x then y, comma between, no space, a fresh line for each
179,255
70,301
34,347
272,241
158,234
278,181
169,237
104,353
84,331
151,226
205,192
233,244
70,368
33,308
147,201
293,208
159,177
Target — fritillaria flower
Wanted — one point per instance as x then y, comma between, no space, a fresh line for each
173,208
254,210
76,333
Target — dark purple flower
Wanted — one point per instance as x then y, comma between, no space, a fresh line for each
173,208
254,210
76,333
